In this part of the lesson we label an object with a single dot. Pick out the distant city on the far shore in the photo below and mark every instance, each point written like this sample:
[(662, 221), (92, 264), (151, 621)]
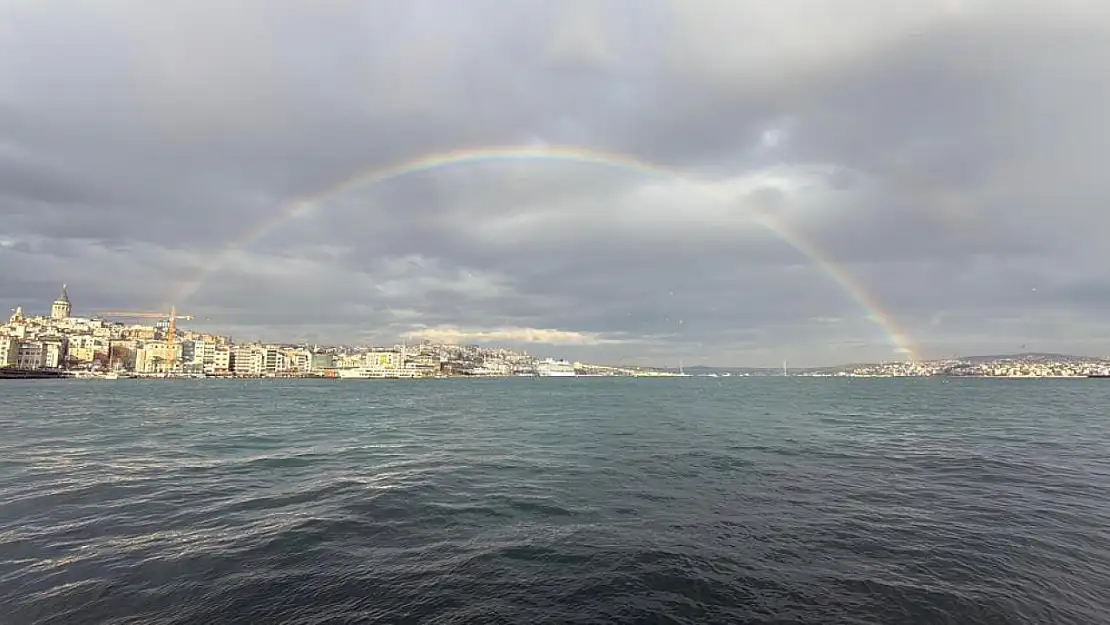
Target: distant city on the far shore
[(152, 345)]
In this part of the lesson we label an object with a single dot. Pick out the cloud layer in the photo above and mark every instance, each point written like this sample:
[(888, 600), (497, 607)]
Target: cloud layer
[(945, 156)]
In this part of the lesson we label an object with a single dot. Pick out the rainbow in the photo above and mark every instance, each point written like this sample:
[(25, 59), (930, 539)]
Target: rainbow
[(439, 160)]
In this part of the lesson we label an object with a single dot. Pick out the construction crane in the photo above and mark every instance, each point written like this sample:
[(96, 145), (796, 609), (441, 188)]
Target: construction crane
[(171, 331)]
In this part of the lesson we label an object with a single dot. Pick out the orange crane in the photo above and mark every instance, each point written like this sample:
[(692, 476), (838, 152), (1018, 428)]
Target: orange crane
[(171, 332)]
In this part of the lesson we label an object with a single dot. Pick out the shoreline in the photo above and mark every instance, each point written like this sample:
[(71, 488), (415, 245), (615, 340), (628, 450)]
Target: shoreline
[(9, 374)]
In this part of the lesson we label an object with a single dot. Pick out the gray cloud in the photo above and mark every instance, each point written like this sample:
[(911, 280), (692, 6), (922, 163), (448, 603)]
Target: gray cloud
[(947, 156)]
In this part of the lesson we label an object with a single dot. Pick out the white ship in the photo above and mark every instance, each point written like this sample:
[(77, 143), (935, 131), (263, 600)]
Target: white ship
[(375, 372), (550, 368)]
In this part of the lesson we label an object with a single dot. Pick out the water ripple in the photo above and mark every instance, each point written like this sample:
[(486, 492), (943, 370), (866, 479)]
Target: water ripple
[(526, 501)]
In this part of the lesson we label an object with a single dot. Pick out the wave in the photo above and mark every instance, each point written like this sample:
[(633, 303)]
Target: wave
[(470, 511)]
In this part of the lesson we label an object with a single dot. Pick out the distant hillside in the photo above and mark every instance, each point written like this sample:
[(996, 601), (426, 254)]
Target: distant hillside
[(1025, 357), (1021, 357), (703, 369)]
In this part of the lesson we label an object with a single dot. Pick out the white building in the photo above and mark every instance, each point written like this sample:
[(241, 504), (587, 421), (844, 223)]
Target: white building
[(53, 353), (157, 357), (84, 348), (272, 360), (39, 354), (221, 360), (199, 355), (9, 351), (376, 364), (248, 359), (30, 355), (493, 367), (296, 361)]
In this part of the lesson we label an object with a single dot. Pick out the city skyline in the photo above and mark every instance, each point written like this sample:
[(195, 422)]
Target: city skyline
[(33, 341), (628, 183)]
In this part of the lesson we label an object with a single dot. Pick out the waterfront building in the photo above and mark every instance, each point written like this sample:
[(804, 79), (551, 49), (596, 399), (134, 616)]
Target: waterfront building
[(30, 355), (221, 361), (375, 364), (248, 360), (321, 362), (44, 354), (156, 357), (9, 351), (295, 361)]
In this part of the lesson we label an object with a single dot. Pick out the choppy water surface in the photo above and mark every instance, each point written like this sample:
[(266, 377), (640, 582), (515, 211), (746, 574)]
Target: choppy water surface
[(555, 500)]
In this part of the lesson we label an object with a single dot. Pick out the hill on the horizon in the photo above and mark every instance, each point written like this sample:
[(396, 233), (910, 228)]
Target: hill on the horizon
[(1027, 356), (1022, 356)]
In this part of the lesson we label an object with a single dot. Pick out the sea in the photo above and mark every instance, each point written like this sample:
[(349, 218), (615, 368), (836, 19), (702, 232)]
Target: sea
[(555, 500)]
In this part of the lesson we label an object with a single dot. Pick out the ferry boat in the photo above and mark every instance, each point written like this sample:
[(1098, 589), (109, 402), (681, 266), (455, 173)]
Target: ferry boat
[(551, 368)]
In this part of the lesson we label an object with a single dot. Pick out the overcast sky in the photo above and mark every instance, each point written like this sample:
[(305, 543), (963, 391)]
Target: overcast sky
[(950, 156)]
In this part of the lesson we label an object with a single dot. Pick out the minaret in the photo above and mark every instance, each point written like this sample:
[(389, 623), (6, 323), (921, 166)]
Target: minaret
[(61, 307)]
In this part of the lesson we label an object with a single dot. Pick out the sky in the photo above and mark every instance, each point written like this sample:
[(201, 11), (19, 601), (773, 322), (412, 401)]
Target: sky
[(794, 180)]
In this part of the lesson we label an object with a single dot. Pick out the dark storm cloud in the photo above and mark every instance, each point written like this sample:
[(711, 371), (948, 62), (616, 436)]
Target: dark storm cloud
[(946, 155)]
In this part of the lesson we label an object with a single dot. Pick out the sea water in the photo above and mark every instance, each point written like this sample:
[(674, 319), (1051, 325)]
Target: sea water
[(555, 500)]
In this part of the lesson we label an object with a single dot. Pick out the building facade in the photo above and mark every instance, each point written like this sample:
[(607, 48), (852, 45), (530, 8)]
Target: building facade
[(9, 351), (157, 357)]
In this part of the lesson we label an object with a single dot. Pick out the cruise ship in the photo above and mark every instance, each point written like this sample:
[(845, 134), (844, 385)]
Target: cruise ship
[(550, 368)]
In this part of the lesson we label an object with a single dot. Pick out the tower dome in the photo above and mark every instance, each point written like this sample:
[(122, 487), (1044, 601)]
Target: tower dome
[(61, 307)]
